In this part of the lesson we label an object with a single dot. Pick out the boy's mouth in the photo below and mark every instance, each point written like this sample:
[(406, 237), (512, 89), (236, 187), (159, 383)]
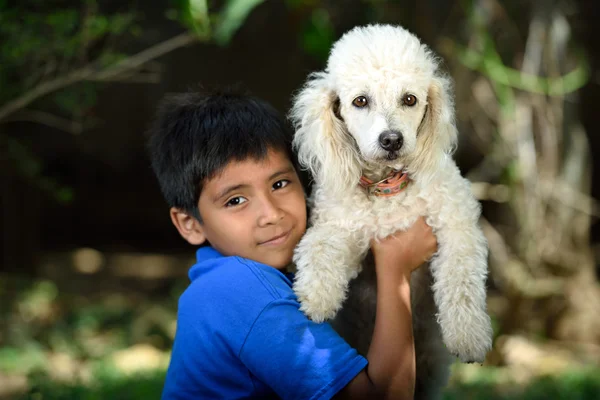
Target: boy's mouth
[(276, 240)]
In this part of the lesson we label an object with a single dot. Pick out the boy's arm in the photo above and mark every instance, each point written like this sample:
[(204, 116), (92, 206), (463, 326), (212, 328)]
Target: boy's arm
[(391, 369)]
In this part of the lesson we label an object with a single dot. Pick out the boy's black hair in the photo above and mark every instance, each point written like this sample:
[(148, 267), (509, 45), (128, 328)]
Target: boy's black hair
[(196, 134)]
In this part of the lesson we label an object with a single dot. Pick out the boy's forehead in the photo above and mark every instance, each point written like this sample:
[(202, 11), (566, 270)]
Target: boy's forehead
[(252, 168)]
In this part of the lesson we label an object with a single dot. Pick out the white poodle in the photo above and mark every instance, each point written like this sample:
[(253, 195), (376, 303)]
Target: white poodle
[(376, 130)]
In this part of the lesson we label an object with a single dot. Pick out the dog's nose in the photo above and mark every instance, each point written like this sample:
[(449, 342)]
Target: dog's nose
[(391, 140)]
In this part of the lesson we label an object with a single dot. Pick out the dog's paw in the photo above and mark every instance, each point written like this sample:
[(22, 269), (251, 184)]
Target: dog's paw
[(318, 314), (318, 301), (320, 285), (469, 340)]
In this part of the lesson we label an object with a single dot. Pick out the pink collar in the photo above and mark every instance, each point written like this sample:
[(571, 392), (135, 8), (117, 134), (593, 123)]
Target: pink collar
[(393, 184)]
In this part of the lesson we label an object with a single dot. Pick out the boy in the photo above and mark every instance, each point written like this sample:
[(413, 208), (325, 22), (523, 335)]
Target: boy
[(225, 166)]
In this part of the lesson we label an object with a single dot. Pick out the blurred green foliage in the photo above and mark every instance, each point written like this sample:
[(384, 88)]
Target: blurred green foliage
[(488, 61), (218, 26), (22, 360), (232, 17), (41, 320), (48, 43), (38, 320), (42, 39), (19, 153), (47, 40), (318, 34), (193, 14), (575, 385), (109, 384)]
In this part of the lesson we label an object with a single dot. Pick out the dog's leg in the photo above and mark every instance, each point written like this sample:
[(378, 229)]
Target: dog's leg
[(459, 270), (326, 258)]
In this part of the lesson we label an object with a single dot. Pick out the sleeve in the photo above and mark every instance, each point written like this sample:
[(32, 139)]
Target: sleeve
[(180, 382), (297, 358)]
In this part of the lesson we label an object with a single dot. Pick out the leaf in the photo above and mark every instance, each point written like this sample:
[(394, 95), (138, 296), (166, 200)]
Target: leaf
[(120, 23), (318, 35), (98, 26), (232, 18), (198, 12), (62, 22), (22, 360)]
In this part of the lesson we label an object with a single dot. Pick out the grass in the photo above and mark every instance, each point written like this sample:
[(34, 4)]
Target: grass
[(574, 385), (42, 322), (147, 385), (110, 384)]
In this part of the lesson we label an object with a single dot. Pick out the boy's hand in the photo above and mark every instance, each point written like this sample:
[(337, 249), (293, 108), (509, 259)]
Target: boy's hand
[(405, 251)]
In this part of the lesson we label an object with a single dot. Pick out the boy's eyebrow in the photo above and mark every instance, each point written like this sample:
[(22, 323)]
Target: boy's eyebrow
[(282, 172), (229, 189)]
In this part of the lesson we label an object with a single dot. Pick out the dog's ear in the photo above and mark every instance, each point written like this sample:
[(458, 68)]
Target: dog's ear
[(437, 135), (336, 109), (324, 146)]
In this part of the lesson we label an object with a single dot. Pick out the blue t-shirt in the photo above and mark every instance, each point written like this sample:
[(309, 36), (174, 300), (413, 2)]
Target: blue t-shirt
[(240, 334)]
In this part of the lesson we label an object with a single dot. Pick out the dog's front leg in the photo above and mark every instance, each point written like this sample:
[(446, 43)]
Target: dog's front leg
[(326, 258), (459, 269)]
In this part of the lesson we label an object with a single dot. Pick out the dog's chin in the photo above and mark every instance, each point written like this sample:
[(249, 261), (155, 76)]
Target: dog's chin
[(391, 156), (390, 159)]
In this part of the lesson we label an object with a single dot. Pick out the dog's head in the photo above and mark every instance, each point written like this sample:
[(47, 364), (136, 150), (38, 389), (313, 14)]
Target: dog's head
[(381, 101)]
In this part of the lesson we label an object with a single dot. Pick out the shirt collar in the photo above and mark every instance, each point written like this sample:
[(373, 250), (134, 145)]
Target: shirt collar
[(205, 253), (208, 253)]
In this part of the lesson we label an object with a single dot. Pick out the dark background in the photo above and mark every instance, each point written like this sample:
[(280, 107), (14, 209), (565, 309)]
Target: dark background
[(83, 221)]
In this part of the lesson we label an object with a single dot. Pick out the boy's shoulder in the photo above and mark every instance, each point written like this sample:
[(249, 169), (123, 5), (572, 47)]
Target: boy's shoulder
[(226, 297), (221, 282)]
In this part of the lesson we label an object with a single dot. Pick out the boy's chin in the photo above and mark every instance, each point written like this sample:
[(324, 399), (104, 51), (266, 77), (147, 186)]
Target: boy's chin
[(280, 262), (281, 265)]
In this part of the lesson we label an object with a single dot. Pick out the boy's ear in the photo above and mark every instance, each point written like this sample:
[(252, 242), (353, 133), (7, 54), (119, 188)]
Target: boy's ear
[(188, 226)]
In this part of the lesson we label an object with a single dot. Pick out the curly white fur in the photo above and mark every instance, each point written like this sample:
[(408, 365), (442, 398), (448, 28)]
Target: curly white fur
[(338, 142)]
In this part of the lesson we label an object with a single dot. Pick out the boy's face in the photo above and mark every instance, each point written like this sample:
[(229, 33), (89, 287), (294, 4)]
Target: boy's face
[(254, 209)]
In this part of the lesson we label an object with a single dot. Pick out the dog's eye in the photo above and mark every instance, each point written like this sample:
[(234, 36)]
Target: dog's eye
[(360, 101), (409, 100)]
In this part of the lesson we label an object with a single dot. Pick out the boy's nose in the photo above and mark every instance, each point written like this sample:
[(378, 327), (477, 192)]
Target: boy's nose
[(270, 213)]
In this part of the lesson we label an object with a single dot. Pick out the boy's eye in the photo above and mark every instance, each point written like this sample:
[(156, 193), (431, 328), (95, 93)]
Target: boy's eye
[(235, 201), (281, 184)]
